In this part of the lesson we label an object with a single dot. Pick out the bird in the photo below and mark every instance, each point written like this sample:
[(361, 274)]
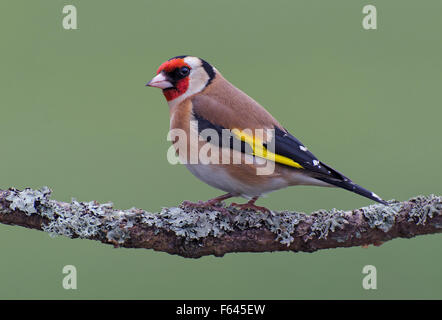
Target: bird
[(201, 100)]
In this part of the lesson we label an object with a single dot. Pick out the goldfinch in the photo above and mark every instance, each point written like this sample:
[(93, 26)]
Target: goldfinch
[(201, 100)]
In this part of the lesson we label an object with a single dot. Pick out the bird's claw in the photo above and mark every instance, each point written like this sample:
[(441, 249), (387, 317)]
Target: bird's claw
[(250, 206)]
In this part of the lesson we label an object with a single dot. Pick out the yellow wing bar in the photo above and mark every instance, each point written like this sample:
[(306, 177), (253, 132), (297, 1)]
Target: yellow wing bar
[(260, 151)]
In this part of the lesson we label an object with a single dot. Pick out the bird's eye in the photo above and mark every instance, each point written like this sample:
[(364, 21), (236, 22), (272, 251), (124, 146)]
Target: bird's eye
[(183, 71)]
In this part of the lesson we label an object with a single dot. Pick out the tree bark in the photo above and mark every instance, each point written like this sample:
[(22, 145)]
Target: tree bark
[(196, 232)]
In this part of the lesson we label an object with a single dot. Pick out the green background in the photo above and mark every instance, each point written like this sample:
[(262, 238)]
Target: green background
[(76, 116)]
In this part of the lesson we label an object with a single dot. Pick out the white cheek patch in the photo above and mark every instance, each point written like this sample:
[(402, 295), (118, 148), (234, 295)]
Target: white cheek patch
[(198, 80)]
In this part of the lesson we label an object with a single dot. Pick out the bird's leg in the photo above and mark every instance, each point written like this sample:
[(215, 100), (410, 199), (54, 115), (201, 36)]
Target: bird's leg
[(251, 205)]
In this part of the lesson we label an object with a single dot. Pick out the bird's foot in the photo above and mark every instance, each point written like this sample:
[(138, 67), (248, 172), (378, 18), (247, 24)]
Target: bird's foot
[(215, 204), (209, 203), (251, 206)]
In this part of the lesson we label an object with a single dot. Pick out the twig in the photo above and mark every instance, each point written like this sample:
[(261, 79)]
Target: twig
[(193, 233)]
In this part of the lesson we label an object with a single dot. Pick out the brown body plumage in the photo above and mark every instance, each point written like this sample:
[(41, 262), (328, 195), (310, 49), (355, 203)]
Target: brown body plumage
[(198, 95)]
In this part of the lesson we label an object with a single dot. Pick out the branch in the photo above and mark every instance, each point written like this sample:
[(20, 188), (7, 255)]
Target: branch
[(193, 233)]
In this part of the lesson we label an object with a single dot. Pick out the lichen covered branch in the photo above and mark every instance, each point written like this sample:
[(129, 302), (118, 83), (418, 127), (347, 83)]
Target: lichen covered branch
[(193, 233)]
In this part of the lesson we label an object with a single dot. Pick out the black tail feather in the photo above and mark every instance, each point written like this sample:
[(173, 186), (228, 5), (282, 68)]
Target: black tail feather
[(347, 184)]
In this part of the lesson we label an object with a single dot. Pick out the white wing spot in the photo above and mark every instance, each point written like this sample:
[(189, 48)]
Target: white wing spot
[(303, 148), (315, 162)]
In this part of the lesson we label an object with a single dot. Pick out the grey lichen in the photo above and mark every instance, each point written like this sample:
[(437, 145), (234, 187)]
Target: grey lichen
[(27, 200), (80, 219), (93, 220), (74, 220), (380, 216), (426, 209), (284, 224), (194, 224), (116, 226), (191, 224), (327, 221)]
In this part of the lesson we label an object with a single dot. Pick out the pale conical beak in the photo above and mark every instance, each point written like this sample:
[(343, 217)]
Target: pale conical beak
[(159, 81)]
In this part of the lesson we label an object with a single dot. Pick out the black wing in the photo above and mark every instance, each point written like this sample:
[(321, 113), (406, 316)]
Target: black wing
[(288, 146)]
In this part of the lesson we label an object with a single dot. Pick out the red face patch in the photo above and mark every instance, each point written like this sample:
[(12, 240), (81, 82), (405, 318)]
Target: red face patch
[(171, 65), (181, 85), (180, 88)]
